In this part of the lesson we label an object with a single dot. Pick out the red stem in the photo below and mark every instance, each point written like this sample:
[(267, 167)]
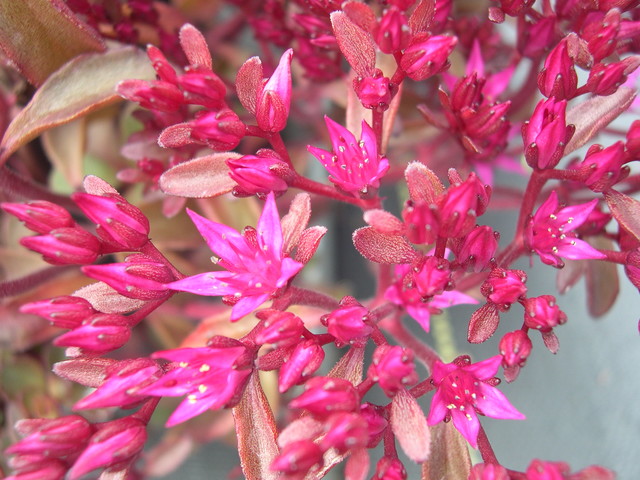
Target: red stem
[(20, 285), (302, 296), (423, 352), (486, 450)]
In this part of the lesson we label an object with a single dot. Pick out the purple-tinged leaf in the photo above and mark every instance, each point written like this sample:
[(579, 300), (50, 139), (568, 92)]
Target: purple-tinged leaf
[(384, 222), (382, 248), (626, 211), (195, 47), (84, 84), (424, 185), (256, 431), (603, 284), (361, 14), (357, 465), (449, 454), (294, 222), (201, 177), (409, 425), (483, 323), (39, 36), (422, 16), (594, 114), (568, 276), (105, 299), (249, 83), (551, 341), (89, 372), (356, 45), (350, 366), (308, 243)]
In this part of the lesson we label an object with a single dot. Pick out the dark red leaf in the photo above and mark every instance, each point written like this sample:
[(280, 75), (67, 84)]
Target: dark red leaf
[(201, 177), (383, 248), (484, 323), (626, 211), (356, 44)]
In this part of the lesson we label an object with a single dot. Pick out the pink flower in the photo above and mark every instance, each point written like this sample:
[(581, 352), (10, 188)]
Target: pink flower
[(212, 377), (411, 299), (349, 324), (353, 166), (392, 367), (464, 390), (258, 174), (558, 78), (427, 55), (550, 232), (39, 215), (255, 267)]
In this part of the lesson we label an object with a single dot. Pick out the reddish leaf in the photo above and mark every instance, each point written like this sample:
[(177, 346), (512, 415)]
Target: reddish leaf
[(175, 136), (484, 323), (422, 16), (39, 36), (382, 248), (603, 284), (384, 222), (423, 184), (106, 300), (256, 431), (350, 366), (308, 244), (97, 186), (195, 47), (89, 372), (360, 14), (83, 85), (357, 465), (449, 454), (551, 341), (409, 425), (568, 276), (356, 45), (201, 177), (594, 114), (302, 428), (249, 83), (626, 211), (294, 222)]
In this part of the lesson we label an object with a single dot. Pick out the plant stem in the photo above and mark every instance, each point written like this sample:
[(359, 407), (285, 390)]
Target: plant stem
[(10, 288)]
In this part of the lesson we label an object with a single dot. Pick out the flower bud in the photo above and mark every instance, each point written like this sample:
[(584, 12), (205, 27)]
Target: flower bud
[(543, 313), (52, 437), (478, 248), (138, 277), (65, 246), (539, 470), (203, 88), (601, 35), (156, 95), (389, 468), (393, 369), (349, 324), (514, 7), (515, 348), (258, 174), (296, 458), (460, 205), (604, 167), (324, 396), (488, 471), (274, 101), (427, 55), (345, 431), (535, 38), (432, 276), (374, 92), (122, 381), (558, 77), (467, 93), (64, 312), (119, 222), (221, 130), (115, 442), (36, 467), (305, 359), (39, 215), (280, 328), (504, 287), (546, 134), (376, 423), (486, 120), (392, 32), (421, 222), (100, 333)]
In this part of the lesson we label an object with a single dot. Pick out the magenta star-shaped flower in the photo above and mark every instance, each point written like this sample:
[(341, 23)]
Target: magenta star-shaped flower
[(463, 391), (550, 234), (354, 166), (255, 266)]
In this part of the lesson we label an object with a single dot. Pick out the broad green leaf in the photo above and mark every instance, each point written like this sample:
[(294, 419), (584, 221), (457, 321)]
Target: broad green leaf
[(84, 84), (39, 36)]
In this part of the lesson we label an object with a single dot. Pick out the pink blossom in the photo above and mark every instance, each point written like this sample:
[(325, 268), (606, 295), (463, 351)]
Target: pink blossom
[(54, 437), (411, 299), (274, 101), (65, 246), (543, 313), (550, 234), (258, 174), (389, 468), (212, 377), (392, 367), (427, 55), (280, 328), (504, 287), (345, 431), (464, 390), (488, 471), (296, 458), (99, 333), (255, 267), (558, 78), (353, 166), (324, 396), (39, 215), (65, 312), (349, 324), (305, 359), (373, 91)]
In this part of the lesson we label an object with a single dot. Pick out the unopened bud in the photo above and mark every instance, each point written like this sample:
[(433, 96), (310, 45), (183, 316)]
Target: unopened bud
[(64, 312), (65, 246), (99, 333), (39, 215)]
